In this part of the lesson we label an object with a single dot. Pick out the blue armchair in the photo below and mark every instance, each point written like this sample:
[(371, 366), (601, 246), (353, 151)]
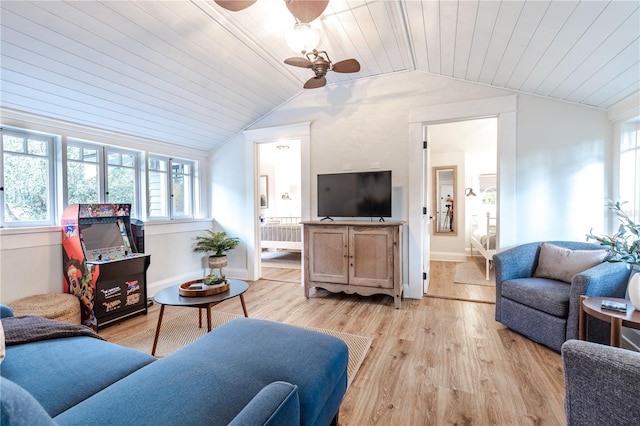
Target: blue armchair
[(602, 384), (547, 310)]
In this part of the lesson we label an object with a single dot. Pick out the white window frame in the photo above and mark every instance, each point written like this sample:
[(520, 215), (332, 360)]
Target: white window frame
[(630, 133), (103, 166), (171, 214), (52, 211)]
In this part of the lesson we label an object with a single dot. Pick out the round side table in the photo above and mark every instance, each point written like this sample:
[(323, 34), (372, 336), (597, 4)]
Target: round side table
[(617, 319)]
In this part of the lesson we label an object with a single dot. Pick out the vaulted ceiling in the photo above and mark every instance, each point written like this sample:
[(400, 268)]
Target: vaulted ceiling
[(195, 74)]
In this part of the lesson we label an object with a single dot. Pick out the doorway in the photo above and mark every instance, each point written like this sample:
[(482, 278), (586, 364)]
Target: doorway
[(467, 148), (280, 209)]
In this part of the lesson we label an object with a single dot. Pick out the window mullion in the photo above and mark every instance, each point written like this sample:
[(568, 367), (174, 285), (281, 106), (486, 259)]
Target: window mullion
[(103, 183), (170, 187)]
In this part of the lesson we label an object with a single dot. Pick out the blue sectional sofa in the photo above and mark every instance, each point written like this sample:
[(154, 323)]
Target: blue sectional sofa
[(247, 371)]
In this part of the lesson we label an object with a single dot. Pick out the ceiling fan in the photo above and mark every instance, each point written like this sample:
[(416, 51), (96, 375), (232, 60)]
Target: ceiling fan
[(321, 64), (304, 11)]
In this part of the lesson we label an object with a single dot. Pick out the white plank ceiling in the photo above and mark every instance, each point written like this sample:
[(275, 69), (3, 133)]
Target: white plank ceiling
[(194, 74)]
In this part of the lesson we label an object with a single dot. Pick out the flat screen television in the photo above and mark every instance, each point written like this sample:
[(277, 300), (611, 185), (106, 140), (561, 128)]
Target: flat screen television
[(362, 194)]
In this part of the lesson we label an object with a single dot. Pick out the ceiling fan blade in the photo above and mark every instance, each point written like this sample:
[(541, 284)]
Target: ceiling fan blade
[(297, 61), (306, 11), (315, 82), (235, 5), (348, 65)]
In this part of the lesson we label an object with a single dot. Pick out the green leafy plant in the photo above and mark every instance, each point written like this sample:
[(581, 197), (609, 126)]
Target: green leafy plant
[(624, 244), (215, 243), (213, 279)]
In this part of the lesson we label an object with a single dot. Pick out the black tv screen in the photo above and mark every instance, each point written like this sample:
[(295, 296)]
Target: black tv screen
[(364, 194)]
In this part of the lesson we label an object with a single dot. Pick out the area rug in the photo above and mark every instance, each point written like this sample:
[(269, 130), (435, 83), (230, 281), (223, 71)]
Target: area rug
[(182, 330), (473, 273)]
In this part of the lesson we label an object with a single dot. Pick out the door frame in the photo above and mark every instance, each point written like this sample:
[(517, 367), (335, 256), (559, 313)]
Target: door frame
[(505, 108), (301, 131)]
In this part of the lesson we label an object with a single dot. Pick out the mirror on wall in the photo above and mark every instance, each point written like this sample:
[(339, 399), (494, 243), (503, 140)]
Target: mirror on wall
[(444, 193)]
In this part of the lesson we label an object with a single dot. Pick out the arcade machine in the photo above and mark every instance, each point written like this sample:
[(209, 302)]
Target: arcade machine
[(102, 264)]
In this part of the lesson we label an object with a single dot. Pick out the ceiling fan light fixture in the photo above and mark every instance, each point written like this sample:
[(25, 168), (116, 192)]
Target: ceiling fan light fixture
[(302, 38)]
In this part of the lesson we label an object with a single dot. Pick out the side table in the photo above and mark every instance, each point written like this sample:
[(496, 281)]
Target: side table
[(617, 319)]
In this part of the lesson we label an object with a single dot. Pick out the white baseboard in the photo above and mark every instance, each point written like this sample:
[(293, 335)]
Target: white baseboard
[(447, 256)]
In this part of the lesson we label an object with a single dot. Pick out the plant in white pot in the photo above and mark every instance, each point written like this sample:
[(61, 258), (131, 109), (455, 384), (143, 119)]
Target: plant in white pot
[(217, 244), (624, 245)]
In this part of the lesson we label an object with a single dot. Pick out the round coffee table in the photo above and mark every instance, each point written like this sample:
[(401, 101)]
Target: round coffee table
[(171, 296)]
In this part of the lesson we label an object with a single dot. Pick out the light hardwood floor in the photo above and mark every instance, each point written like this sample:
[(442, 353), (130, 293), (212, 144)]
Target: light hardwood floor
[(436, 361)]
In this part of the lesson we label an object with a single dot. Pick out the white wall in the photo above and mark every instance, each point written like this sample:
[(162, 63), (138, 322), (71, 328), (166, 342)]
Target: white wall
[(282, 167), (363, 124), (563, 164), (31, 259)]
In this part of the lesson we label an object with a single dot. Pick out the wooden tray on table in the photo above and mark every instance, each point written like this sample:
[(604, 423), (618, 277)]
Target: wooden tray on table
[(207, 290)]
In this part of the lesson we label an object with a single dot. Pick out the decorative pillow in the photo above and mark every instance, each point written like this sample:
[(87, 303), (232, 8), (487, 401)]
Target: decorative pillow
[(559, 263)]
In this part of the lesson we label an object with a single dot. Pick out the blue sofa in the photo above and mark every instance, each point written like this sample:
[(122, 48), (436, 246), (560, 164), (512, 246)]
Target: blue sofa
[(247, 371)]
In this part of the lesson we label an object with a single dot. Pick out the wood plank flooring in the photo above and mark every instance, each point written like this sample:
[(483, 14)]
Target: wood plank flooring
[(436, 361)]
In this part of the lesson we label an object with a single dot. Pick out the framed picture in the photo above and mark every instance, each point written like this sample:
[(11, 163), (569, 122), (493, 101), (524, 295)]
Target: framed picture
[(264, 193)]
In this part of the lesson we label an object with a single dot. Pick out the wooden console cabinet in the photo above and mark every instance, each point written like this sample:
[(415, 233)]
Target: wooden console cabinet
[(354, 257)]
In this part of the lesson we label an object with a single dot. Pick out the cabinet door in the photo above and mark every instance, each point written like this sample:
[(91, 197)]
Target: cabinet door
[(328, 254), (371, 256)]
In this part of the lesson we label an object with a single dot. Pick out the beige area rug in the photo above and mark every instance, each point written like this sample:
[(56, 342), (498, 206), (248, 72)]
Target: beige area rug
[(473, 272), (281, 259), (182, 330)]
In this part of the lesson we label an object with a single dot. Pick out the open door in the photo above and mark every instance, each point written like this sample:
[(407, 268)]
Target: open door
[(427, 210), (279, 202)]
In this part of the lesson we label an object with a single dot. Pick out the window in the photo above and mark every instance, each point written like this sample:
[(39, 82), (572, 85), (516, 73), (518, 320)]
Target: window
[(82, 174), (158, 192), (629, 188), (91, 179), (121, 177), (27, 179), (171, 188), (33, 169)]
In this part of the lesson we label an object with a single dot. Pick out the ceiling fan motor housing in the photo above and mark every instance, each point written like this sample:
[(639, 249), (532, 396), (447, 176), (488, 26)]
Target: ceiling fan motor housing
[(321, 66)]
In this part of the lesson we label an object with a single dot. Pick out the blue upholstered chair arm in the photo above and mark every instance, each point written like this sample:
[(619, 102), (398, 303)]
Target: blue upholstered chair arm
[(516, 262), (608, 279), (602, 384), (276, 404), (5, 311)]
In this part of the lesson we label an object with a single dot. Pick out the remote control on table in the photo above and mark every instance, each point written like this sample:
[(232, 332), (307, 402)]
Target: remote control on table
[(614, 306)]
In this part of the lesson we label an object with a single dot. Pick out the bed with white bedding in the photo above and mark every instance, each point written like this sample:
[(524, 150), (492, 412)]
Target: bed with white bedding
[(283, 233)]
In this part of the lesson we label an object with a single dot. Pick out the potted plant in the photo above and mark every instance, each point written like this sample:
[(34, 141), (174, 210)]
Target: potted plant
[(624, 245), (216, 244)]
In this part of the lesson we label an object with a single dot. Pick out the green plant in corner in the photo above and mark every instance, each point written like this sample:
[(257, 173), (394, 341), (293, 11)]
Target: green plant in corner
[(624, 244), (215, 243)]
